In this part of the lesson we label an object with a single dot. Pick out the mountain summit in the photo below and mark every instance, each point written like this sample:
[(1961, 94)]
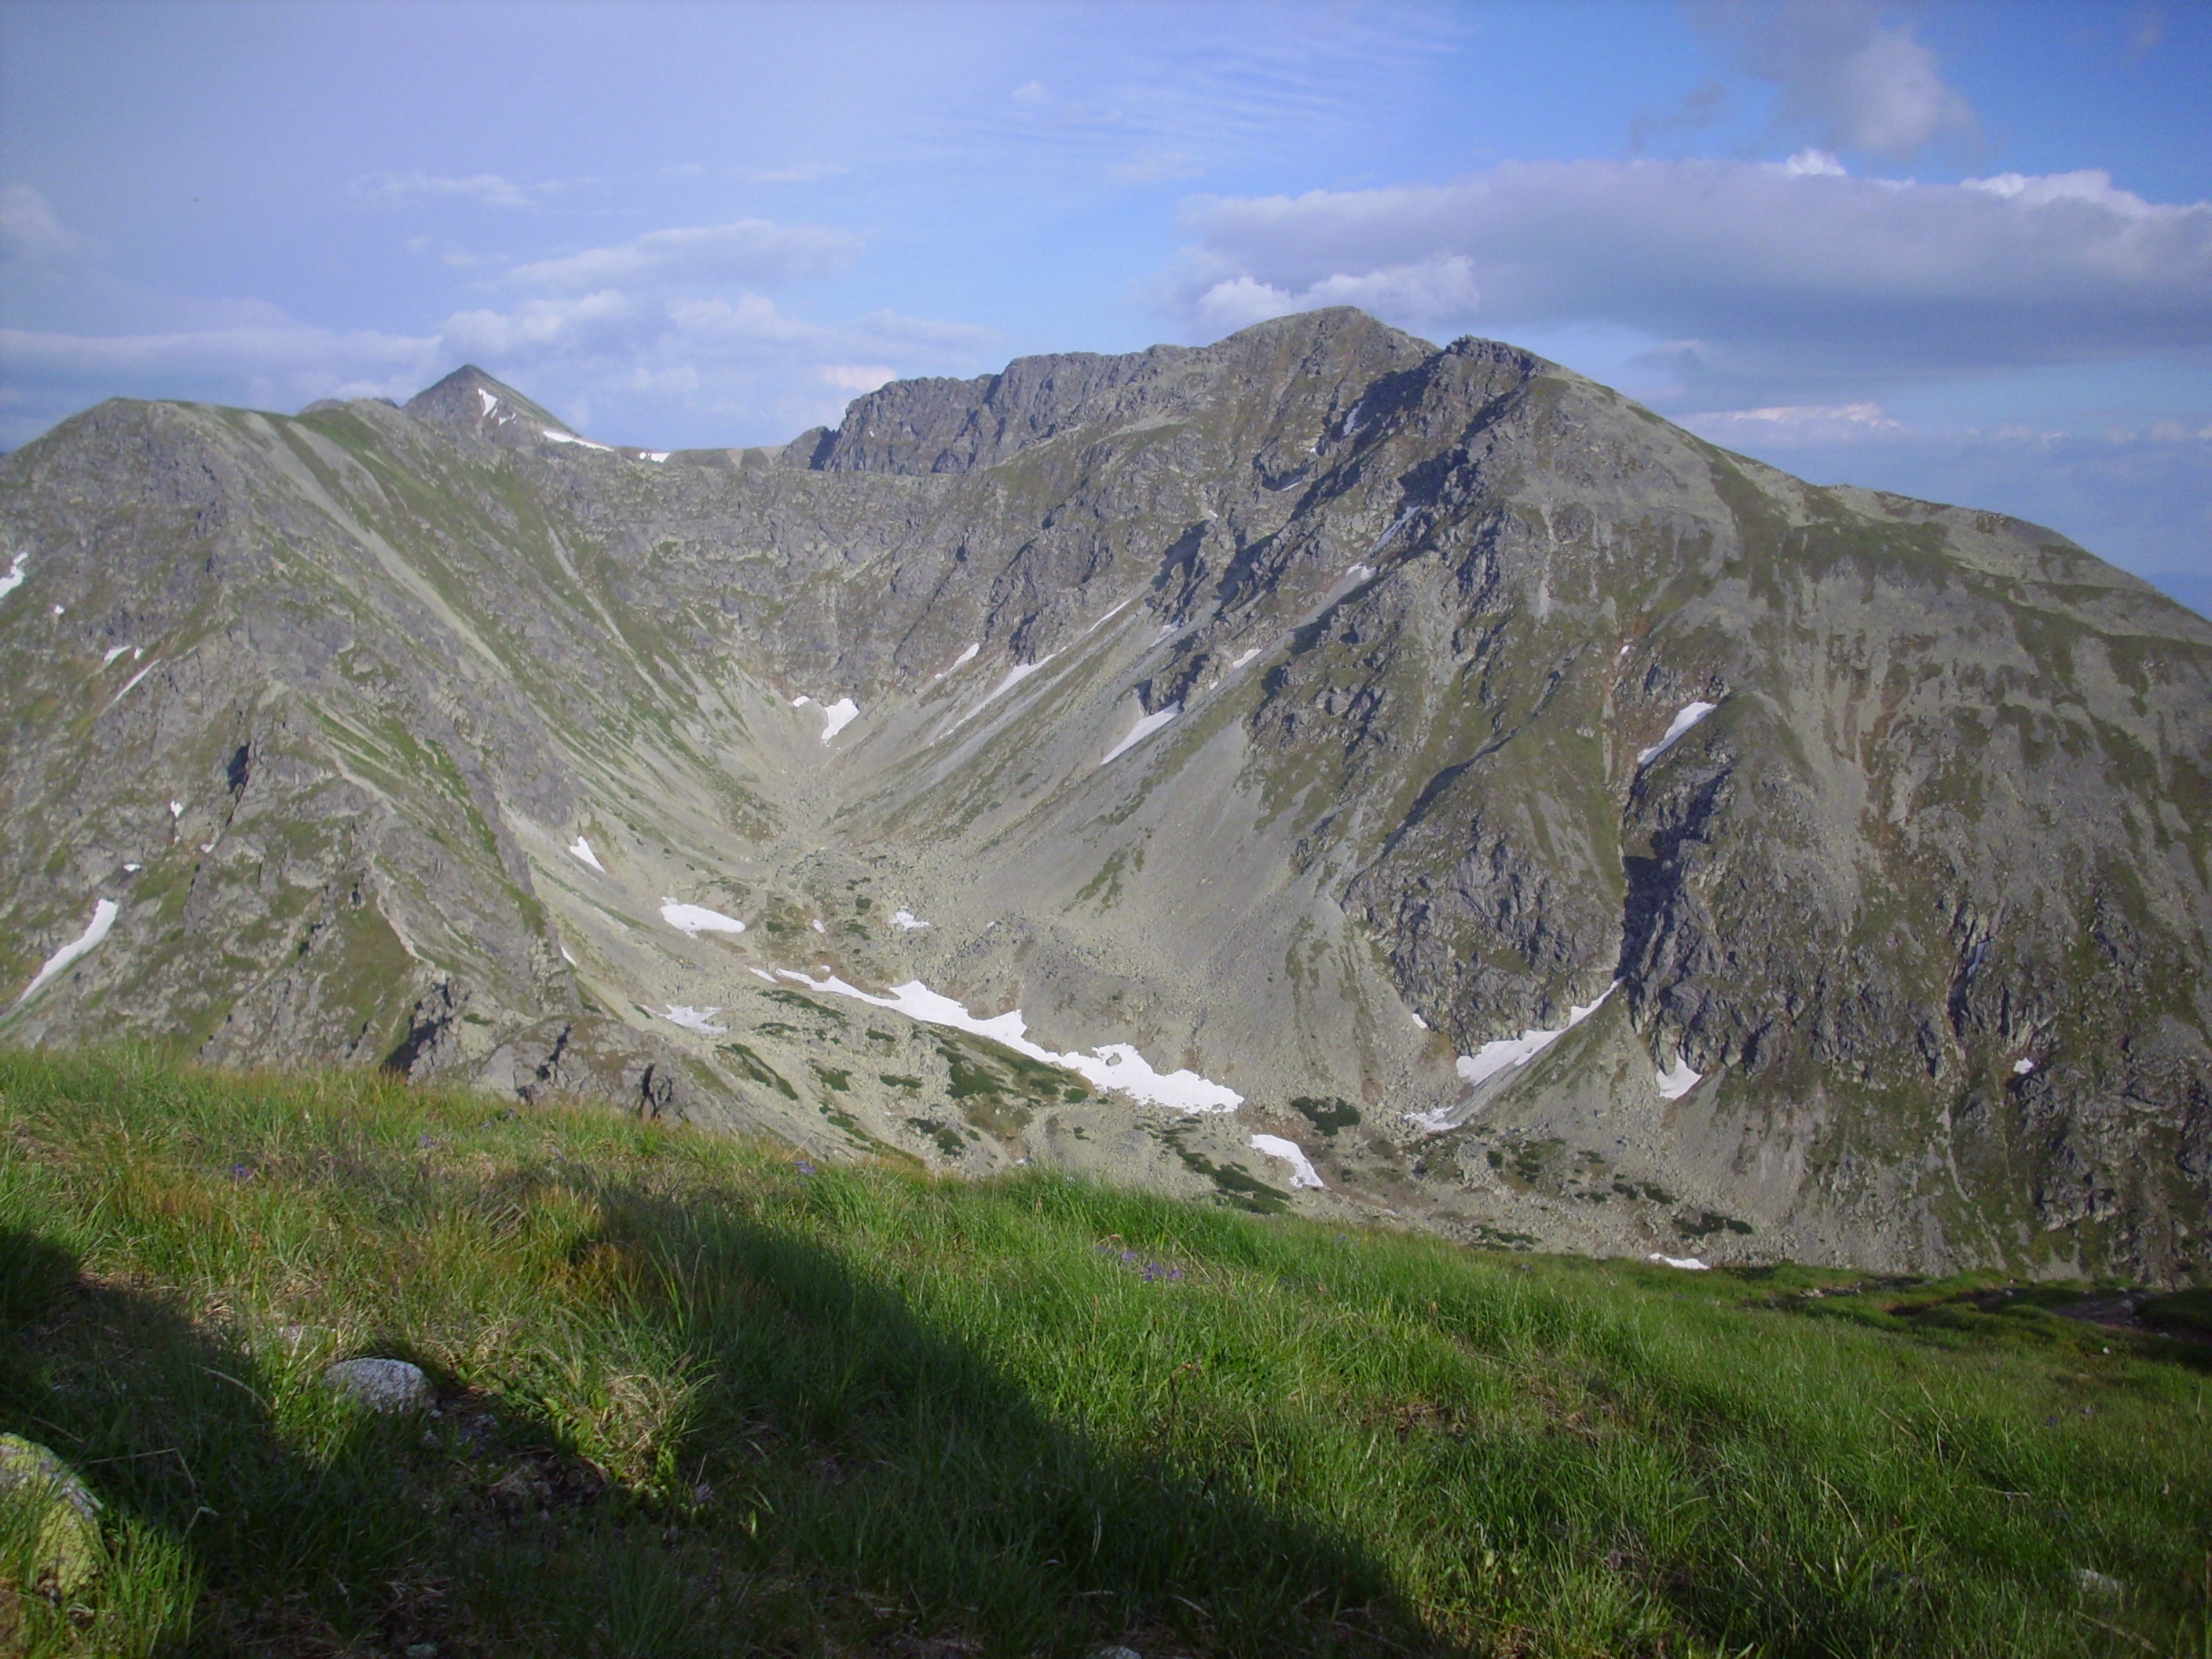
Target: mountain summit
[(469, 400), (1318, 767)]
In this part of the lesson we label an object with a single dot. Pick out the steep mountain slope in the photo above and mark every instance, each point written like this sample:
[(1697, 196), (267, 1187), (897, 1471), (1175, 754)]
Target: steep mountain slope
[(1295, 731)]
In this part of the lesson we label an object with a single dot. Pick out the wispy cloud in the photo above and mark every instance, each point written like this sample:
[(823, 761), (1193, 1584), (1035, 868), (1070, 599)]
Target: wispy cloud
[(747, 251), (1793, 277), (30, 233), (803, 173), (1223, 84), (488, 188)]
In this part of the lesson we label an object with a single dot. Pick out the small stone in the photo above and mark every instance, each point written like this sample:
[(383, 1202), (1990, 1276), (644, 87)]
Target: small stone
[(2101, 1584), (1117, 1653), (383, 1385), (66, 1556)]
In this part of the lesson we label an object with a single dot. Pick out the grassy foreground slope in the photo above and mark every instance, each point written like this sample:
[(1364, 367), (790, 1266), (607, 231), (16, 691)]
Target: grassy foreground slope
[(697, 1397)]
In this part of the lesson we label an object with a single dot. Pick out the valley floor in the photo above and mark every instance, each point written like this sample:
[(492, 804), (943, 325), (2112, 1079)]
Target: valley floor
[(700, 1396)]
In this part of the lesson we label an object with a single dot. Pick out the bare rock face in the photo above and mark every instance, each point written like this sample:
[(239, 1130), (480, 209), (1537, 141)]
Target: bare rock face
[(1560, 829)]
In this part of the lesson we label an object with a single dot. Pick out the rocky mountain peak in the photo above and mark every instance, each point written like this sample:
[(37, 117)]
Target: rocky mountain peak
[(469, 400), (943, 425)]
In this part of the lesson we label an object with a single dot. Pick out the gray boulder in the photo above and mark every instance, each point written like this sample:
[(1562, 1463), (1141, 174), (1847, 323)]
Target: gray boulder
[(383, 1385)]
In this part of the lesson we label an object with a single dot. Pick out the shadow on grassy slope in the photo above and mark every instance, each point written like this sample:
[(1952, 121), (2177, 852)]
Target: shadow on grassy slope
[(229, 1530), (840, 1478), (881, 1450)]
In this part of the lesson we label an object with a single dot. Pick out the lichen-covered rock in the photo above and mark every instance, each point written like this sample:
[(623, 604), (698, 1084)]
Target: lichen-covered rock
[(50, 1508)]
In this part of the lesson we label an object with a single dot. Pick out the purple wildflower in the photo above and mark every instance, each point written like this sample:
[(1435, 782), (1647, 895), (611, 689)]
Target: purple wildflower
[(241, 1172), (804, 1167)]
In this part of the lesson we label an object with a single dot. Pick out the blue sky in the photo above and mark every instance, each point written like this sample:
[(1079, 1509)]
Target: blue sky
[(1963, 250)]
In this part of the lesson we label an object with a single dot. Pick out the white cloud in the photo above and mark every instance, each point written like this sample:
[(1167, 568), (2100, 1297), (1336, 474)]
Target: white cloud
[(292, 351), (647, 354), (29, 232), (605, 318), (1846, 72), (1438, 288), (857, 378), (1790, 278), (805, 172), (1814, 163), (490, 188), (278, 362), (747, 251), (1790, 425)]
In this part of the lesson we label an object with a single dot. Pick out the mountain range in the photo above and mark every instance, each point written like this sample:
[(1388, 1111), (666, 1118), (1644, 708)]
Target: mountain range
[(1320, 768)]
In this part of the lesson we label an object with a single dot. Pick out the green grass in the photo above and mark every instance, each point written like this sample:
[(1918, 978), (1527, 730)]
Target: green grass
[(698, 1400)]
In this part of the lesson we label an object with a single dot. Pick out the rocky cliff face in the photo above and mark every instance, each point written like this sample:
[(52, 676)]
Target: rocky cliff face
[(1297, 731)]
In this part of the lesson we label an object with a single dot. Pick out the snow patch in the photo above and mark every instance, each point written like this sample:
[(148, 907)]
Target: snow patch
[(134, 680), (13, 578), (693, 919), (656, 454), (1509, 1053), (1143, 729), (1687, 1263), (491, 402), (1506, 1054), (580, 850), (837, 716), (960, 661), (700, 1020), (907, 919), (1012, 677), (1384, 539), (1116, 1066), (551, 437), (103, 918), (1678, 1079), (1109, 615), (1302, 1170), (1418, 1021), (176, 809), (817, 926), (761, 973), (801, 700), (1687, 716), (132, 869), (569, 957), (1242, 657), (1359, 572), (112, 654), (2022, 1067)]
